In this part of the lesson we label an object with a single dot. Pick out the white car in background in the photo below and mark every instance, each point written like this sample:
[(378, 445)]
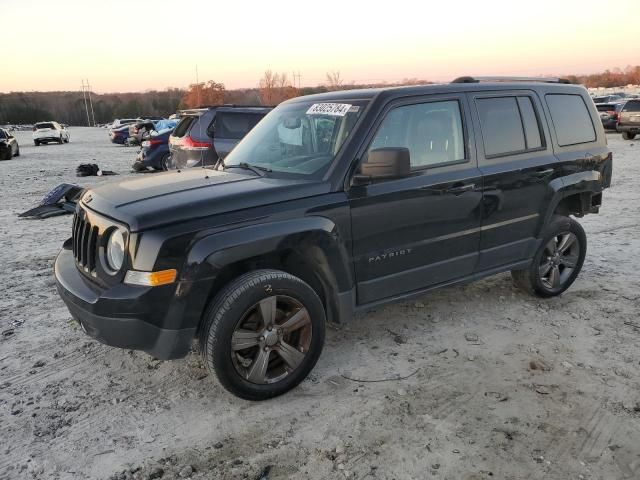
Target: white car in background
[(45, 132)]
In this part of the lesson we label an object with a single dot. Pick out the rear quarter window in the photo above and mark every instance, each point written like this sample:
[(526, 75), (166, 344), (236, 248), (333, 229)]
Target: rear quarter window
[(571, 119), (235, 125), (632, 106), (183, 126)]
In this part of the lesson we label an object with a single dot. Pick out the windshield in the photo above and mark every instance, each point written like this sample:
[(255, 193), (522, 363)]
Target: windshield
[(300, 139)]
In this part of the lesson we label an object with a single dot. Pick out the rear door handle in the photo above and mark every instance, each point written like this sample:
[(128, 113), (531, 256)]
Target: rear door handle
[(545, 172), (459, 189)]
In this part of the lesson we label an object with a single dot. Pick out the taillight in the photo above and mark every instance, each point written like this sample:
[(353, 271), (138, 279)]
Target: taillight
[(189, 143), (155, 142), (34, 129)]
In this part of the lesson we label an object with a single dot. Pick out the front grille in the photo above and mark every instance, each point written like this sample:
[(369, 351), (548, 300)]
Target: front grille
[(85, 243)]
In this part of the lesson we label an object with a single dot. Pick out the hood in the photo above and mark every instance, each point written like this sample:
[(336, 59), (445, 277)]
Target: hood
[(172, 197)]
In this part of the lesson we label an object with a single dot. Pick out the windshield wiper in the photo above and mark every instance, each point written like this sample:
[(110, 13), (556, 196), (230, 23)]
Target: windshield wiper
[(261, 171)]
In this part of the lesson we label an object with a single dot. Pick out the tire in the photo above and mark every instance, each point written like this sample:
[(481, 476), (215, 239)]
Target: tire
[(628, 136), (558, 260), (165, 163), (36, 143), (6, 155), (17, 152), (245, 303), (61, 141)]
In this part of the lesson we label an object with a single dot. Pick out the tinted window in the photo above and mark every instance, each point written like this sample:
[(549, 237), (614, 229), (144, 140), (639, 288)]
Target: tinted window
[(571, 119), (604, 107), (235, 125), (45, 125), (501, 126), (632, 106), (2, 134), (600, 99), (530, 122), (431, 131), (183, 126)]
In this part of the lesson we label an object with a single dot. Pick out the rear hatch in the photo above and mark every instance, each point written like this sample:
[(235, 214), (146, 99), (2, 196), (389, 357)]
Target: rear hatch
[(190, 144), (630, 114), (44, 129)]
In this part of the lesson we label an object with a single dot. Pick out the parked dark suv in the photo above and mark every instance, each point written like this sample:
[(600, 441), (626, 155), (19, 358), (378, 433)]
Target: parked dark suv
[(332, 205), (609, 114), (629, 119), (204, 135)]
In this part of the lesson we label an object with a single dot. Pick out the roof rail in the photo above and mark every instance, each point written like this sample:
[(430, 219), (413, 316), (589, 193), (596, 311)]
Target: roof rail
[(230, 105), (511, 79)]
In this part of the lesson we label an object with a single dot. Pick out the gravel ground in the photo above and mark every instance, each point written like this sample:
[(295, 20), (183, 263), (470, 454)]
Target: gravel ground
[(499, 384)]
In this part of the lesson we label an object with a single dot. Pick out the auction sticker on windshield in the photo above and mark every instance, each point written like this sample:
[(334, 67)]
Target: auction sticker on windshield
[(336, 109)]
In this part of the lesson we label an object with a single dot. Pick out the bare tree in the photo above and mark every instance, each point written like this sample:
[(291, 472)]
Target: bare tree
[(275, 88), (334, 80)]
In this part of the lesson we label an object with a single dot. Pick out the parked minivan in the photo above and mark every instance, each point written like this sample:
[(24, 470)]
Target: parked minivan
[(332, 205), (204, 135)]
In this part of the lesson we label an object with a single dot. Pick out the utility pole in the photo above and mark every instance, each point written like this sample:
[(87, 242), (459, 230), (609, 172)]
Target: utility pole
[(297, 75), (197, 85), (86, 106), (93, 117)]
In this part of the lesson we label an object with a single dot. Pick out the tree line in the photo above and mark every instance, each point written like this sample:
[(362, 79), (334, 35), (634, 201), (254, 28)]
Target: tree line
[(273, 88)]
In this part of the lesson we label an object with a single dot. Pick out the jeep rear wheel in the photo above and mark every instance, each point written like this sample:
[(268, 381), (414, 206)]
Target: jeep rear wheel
[(263, 334), (628, 136), (558, 260)]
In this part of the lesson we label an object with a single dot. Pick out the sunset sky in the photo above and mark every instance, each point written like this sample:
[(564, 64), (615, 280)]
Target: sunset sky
[(140, 45)]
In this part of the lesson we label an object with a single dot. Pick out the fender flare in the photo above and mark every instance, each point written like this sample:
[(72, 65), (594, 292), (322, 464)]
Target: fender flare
[(586, 182), (316, 238)]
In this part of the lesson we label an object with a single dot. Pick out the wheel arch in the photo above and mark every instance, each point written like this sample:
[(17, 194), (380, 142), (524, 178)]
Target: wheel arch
[(311, 249)]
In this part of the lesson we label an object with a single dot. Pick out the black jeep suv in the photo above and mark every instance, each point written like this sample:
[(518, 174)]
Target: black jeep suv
[(333, 204)]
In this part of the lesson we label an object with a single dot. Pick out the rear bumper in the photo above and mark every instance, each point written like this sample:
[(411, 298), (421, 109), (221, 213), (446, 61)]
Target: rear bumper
[(192, 158), (119, 316), (47, 139), (628, 128), (151, 158)]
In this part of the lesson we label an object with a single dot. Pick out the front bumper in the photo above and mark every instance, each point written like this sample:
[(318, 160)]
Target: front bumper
[(119, 316)]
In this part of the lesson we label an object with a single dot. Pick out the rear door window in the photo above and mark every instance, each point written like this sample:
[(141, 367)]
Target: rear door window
[(502, 129), (571, 119), (234, 125), (530, 122)]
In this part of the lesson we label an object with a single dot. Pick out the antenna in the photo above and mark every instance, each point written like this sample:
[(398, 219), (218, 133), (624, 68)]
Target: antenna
[(197, 84)]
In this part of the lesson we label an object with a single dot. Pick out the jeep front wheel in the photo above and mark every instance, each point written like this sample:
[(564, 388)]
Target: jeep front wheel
[(263, 334), (628, 136), (558, 260)]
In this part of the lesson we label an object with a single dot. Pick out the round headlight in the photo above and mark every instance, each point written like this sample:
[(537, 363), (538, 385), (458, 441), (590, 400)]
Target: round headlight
[(115, 250)]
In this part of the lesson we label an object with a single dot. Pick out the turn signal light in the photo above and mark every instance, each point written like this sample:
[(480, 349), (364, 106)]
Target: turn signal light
[(151, 279)]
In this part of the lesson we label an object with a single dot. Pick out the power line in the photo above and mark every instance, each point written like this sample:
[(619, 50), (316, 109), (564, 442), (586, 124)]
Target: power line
[(86, 106), (88, 87)]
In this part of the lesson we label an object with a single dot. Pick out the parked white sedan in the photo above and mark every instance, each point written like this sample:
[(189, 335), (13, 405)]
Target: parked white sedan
[(45, 132)]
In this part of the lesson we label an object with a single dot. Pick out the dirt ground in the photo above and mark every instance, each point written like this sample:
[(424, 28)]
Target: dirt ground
[(499, 384)]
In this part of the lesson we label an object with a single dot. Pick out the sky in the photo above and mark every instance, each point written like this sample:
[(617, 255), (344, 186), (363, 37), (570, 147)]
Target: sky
[(139, 45)]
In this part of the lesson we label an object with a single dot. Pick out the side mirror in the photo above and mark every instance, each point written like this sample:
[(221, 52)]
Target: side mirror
[(385, 163)]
